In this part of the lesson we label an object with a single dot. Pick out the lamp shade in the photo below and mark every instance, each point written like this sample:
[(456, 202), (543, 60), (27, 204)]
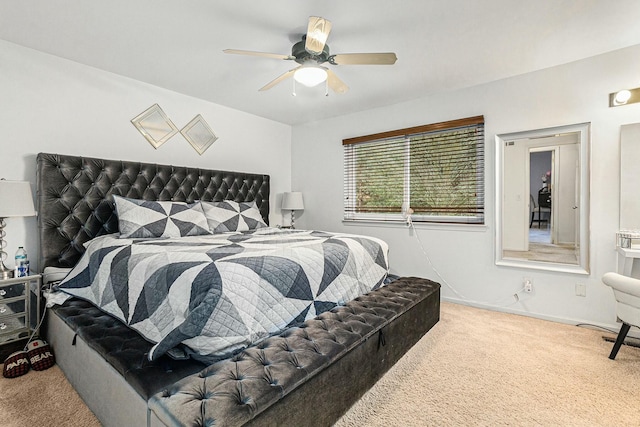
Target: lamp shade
[(292, 201), (15, 199), (310, 76)]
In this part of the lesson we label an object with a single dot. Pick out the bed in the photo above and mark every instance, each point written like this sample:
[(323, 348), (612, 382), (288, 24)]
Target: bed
[(295, 368)]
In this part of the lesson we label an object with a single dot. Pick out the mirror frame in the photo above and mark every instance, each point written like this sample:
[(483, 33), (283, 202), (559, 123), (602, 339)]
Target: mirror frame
[(629, 174), (583, 129), (155, 126)]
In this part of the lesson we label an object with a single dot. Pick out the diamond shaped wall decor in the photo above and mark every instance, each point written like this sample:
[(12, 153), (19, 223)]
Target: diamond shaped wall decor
[(155, 126), (199, 134)]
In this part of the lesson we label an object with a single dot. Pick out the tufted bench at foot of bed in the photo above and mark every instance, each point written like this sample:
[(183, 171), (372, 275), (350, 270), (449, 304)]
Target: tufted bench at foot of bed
[(308, 375)]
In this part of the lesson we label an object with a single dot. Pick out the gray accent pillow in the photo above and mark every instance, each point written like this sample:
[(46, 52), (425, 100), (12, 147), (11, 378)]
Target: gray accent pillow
[(144, 218), (228, 216)]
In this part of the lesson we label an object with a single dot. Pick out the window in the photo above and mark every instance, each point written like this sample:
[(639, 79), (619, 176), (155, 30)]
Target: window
[(436, 170)]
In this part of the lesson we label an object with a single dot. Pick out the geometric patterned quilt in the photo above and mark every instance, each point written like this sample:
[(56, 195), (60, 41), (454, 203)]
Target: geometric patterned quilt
[(220, 293)]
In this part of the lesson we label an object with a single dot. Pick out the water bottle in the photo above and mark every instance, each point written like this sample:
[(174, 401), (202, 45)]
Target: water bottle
[(22, 263)]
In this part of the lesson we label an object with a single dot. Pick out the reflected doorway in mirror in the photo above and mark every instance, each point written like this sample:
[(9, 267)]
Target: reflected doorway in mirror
[(562, 186)]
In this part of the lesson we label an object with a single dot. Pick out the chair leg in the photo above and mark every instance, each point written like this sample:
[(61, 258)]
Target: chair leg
[(531, 222), (621, 336)]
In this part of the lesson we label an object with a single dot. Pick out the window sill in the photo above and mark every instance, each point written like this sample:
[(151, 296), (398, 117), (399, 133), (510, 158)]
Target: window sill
[(416, 224)]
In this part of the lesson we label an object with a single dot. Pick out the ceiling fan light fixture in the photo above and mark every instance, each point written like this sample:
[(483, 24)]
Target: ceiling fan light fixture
[(310, 76)]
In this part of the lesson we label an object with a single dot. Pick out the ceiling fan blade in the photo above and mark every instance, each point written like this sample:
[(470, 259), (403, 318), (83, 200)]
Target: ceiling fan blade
[(317, 34), (262, 54), (337, 85), (388, 58), (278, 79)]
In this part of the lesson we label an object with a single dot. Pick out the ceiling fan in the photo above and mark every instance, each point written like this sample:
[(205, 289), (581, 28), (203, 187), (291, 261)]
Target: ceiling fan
[(312, 52)]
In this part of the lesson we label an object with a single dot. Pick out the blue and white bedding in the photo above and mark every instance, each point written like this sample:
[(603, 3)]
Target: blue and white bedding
[(220, 293)]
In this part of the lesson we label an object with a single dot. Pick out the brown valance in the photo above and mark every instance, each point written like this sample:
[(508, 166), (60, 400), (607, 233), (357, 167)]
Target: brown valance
[(451, 124)]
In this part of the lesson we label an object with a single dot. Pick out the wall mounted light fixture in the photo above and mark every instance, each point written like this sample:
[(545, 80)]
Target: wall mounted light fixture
[(624, 97)]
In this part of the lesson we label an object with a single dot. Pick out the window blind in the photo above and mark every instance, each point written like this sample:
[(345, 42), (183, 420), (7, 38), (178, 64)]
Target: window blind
[(436, 170)]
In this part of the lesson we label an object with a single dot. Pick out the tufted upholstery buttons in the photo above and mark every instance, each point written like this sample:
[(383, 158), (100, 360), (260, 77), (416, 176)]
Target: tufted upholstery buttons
[(124, 349), (70, 186), (262, 374)]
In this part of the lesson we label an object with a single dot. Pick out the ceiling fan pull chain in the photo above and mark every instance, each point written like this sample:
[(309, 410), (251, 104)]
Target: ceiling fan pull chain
[(294, 88), (326, 87)]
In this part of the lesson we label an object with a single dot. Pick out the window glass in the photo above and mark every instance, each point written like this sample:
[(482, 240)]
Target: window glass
[(436, 170)]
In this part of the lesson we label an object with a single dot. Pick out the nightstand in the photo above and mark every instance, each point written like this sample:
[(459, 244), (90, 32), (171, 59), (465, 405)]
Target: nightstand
[(19, 307)]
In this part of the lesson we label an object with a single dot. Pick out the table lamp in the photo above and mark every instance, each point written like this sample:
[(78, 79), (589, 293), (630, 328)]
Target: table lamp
[(293, 202), (15, 201)]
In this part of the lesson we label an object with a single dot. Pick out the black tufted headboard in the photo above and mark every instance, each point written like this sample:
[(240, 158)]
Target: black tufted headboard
[(75, 203)]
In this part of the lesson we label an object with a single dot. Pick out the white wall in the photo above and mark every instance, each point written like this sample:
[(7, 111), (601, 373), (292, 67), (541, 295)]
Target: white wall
[(568, 94), (57, 106), (515, 222)]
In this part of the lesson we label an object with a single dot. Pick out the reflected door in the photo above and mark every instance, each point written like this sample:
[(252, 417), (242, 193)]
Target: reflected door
[(568, 187)]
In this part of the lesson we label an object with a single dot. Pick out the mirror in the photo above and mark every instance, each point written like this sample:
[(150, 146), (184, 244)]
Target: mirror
[(542, 199), (198, 133), (629, 177), (154, 125)]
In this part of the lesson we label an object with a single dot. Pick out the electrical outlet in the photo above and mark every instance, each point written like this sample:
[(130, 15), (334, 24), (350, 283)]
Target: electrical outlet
[(581, 290), (528, 284)]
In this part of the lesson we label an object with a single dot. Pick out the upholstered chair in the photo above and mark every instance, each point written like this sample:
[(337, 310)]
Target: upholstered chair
[(627, 293)]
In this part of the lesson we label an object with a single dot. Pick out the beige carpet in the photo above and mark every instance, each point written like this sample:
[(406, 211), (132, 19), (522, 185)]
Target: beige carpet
[(482, 368), (474, 368), (42, 398)]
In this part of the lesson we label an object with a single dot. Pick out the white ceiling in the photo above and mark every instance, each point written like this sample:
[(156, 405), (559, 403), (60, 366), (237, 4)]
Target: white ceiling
[(441, 45)]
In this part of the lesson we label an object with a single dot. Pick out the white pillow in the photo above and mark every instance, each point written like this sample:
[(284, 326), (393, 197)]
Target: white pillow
[(228, 216), (144, 218)]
